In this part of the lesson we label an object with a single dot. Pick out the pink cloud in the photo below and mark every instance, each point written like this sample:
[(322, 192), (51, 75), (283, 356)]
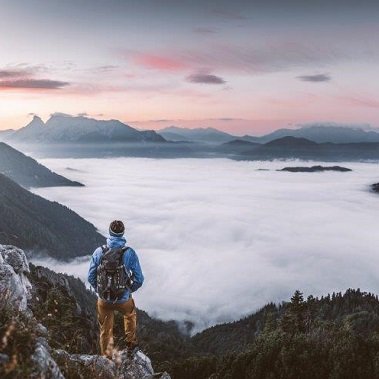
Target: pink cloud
[(160, 62), (362, 102), (263, 57)]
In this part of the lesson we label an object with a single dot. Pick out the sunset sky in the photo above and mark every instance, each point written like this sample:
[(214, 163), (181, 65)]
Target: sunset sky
[(241, 66)]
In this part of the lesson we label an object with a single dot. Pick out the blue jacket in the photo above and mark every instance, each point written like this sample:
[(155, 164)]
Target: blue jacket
[(130, 261)]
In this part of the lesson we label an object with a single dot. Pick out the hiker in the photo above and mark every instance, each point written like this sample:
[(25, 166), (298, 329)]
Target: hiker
[(114, 274)]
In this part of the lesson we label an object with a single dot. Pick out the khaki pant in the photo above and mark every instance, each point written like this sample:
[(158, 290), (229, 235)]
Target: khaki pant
[(105, 316)]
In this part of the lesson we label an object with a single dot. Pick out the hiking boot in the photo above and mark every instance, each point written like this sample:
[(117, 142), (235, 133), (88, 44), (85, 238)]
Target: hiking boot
[(132, 350)]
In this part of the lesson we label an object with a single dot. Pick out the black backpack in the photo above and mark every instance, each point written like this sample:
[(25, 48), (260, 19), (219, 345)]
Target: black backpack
[(113, 278)]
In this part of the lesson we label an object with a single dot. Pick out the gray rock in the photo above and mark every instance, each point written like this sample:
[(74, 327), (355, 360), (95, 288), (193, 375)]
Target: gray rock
[(102, 368), (44, 365), (86, 366), (15, 257), (41, 330), (136, 368), (14, 285)]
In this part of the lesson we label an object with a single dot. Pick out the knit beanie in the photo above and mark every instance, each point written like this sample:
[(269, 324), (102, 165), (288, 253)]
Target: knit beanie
[(116, 228)]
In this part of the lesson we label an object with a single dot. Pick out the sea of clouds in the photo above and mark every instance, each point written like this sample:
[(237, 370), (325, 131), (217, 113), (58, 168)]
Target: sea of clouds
[(218, 239)]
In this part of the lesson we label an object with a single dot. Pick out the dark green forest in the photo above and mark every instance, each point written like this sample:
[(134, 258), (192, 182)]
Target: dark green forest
[(335, 336)]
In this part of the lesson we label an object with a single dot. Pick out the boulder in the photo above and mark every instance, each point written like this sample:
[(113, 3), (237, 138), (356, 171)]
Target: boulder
[(121, 367), (14, 284)]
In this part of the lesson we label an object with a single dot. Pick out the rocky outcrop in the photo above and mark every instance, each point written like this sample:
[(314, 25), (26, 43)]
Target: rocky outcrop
[(316, 169), (120, 367), (14, 284), (39, 360)]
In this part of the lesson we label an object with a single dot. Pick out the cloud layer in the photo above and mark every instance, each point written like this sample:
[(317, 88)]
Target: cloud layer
[(218, 239)]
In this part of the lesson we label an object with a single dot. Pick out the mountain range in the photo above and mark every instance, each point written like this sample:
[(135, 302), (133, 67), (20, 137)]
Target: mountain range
[(62, 128), (320, 133), (302, 148), (38, 225), (68, 136)]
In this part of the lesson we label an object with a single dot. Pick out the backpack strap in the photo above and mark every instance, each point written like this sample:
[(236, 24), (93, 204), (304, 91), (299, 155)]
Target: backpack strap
[(123, 251), (104, 249)]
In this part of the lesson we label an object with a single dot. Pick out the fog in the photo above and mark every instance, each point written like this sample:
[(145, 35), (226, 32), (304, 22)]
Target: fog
[(218, 239)]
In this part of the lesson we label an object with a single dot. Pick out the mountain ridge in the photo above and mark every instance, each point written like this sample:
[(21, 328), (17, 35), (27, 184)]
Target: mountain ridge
[(36, 224), (27, 172)]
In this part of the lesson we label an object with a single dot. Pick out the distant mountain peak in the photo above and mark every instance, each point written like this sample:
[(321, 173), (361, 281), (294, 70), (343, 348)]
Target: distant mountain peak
[(65, 128), (35, 123)]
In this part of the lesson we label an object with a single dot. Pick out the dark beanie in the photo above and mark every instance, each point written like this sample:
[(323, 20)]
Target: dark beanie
[(116, 228)]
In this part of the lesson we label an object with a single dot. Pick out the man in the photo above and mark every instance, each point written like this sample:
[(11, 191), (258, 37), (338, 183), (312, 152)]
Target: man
[(122, 301)]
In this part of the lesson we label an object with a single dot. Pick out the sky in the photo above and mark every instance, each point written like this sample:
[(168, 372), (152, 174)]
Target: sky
[(241, 66), (218, 239)]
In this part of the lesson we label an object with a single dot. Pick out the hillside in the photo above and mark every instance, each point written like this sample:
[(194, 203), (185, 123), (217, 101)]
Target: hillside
[(28, 172), (335, 336), (302, 148), (329, 337), (36, 224)]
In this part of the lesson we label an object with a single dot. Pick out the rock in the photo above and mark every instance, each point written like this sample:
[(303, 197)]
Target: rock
[(138, 367), (45, 365), (375, 187), (15, 257), (85, 366), (81, 365), (41, 330), (14, 285), (316, 169)]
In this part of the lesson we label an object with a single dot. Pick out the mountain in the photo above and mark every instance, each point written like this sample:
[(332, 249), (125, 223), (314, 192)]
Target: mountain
[(62, 128), (302, 148), (35, 224), (321, 133), (28, 172), (208, 135), (240, 142), (235, 147), (5, 133)]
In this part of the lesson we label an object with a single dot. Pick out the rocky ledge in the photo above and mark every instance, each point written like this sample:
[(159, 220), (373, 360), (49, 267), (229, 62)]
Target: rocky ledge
[(25, 350), (316, 169)]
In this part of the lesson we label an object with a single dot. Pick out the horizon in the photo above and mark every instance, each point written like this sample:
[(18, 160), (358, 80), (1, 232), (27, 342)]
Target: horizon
[(241, 67), (209, 124)]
